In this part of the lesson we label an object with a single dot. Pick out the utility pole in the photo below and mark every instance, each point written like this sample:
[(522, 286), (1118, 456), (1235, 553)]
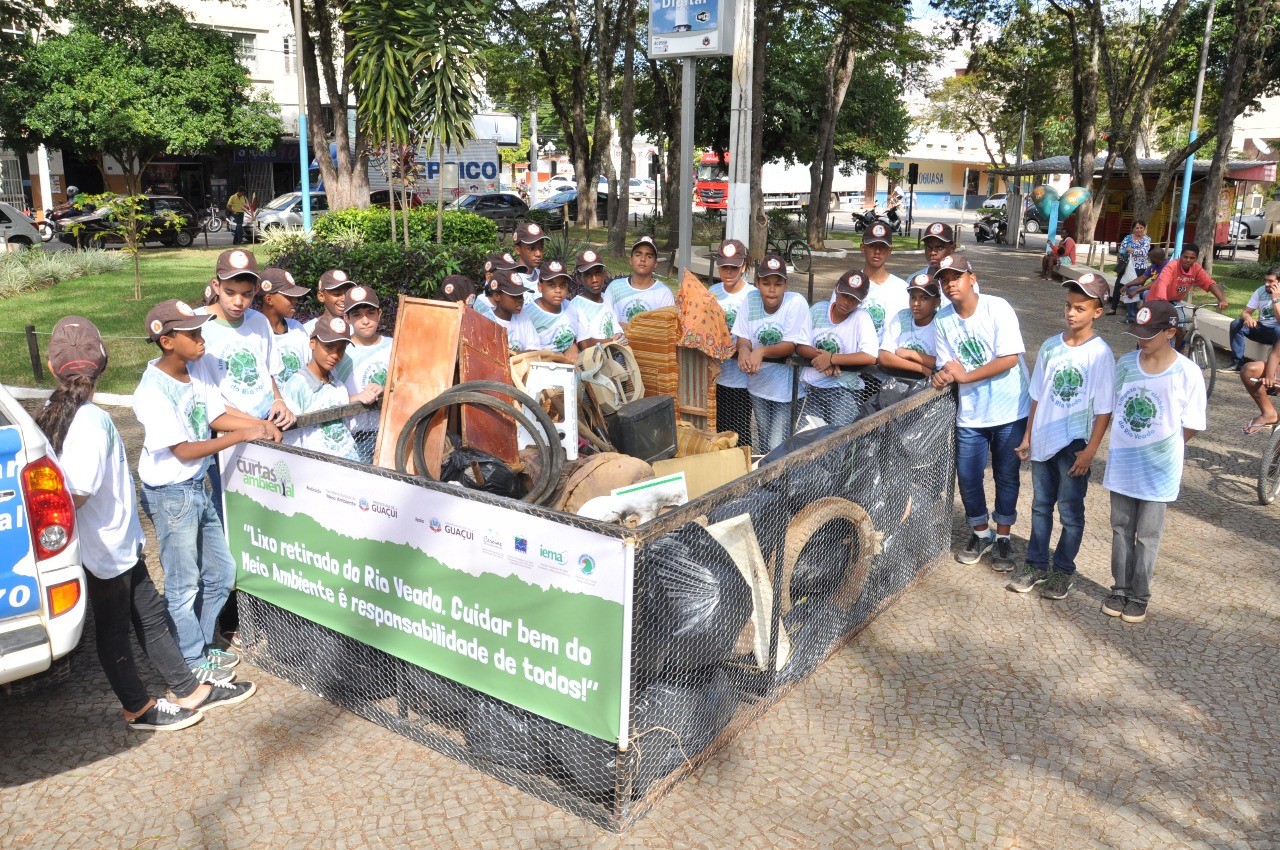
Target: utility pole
[(738, 215), (304, 161), (1195, 121), (1013, 195), (685, 195), (533, 155)]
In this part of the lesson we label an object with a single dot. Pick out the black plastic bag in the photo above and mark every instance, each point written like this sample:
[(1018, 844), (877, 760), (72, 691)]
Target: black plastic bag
[(479, 470), (506, 735), (677, 720)]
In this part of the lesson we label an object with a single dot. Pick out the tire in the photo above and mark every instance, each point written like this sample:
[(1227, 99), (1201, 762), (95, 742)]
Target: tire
[(214, 224), (1201, 353), (1269, 473), (46, 232), (800, 256), (184, 238), (1032, 226), (166, 239)]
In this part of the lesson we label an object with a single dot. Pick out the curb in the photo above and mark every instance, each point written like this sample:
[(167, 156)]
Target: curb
[(37, 394)]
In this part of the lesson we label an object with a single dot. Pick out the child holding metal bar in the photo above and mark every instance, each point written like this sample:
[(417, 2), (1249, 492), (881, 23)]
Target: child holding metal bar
[(842, 342), (317, 388)]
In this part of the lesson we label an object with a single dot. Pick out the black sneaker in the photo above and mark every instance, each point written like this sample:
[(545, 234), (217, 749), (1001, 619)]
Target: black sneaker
[(226, 694), (1114, 605), (979, 545), (164, 716), (1002, 560), (1027, 578), (1233, 366), (1134, 611), (1057, 585)]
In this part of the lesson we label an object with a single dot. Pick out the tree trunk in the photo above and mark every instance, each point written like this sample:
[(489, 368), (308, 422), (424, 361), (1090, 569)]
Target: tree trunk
[(440, 196), (1085, 144), (759, 222), (626, 137), (346, 182), (837, 73)]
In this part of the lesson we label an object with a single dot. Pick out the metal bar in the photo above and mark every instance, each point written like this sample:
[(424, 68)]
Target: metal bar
[(304, 161), (685, 195), (1195, 121), (33, 348)]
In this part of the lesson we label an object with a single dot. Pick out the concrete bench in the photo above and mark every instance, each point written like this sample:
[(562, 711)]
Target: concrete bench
[(1075, 271), (1217, 329)]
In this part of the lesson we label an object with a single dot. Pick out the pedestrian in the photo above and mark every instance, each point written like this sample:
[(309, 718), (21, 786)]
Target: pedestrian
[(367, 360), (334, 284), (553, 322), (595, 319), (1176, 281), (176, 407), (1063, 249), (979, 347), (117, 583), (1261, 383), (886, 292), (289, 339), (909, 340), (733, 400), (771, 325), (640, 291), (457, 288), (1072, 390), (843, 341), (1257, 321), (1133, 253), (237, 204), (1159, 405), (317, 387), (530, 248)]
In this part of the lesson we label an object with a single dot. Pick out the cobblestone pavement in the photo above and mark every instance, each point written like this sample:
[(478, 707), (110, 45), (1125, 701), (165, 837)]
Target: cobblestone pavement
[(965, 716)]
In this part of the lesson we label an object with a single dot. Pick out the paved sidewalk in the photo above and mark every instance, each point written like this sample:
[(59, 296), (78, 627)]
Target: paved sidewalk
[(965, 716)]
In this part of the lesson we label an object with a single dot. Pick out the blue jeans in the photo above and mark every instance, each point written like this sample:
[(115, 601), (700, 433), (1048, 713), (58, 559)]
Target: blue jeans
[(835, 405), (198, 571), (974, 445), (237, 220), (1260, 333), (773, 422), (1052, 484)]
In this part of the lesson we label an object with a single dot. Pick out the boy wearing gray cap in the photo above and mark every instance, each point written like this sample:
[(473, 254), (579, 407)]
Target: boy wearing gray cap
[(317, 388)]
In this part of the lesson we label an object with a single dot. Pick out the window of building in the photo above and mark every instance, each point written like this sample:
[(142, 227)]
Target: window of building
[(290, 62), (246, 45)]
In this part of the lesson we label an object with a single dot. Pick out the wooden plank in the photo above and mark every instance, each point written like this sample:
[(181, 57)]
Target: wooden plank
[(483, 356), (424, 362)]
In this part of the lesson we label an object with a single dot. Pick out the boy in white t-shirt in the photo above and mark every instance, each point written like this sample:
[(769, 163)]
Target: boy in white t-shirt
[(506, 295), (365, 362), (843, 341), (1072, 390), (497, 260), (733, 401), (640, 291), (886, 293), (553, 322), (909, 340), (334, 284), (595, 319), (316, 387), (531, 247), (176, 408), (979, 347), (939, 241), (771, 325), (280, 294), (1159, 405)]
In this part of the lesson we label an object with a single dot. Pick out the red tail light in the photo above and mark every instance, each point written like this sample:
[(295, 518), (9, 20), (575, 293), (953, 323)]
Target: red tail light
[(49, 507)]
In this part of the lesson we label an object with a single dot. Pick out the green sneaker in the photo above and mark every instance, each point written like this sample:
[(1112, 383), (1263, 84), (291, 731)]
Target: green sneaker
[(1026, 578), (1057, 585)]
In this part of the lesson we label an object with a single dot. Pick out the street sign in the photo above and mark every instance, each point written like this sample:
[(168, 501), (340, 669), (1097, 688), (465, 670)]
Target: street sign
[(680, 28)]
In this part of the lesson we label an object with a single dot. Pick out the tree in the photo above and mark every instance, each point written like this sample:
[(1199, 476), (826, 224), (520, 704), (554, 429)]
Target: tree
[(131, 84), (621, 198), (126, 219)]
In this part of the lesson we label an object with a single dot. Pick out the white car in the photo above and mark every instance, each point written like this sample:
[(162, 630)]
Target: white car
[(642, 187), (17, 229), (995, 202), (42, 585)]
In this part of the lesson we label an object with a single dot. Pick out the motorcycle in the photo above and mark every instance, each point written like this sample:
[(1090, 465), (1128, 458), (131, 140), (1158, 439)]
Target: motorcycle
[(992, 227), (869, 216)]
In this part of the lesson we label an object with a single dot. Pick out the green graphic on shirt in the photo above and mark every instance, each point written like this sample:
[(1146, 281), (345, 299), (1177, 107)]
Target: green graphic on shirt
[(1068, 382), (916, 347), (292, 363), (198, 419), (1267, 313), (563, 339), (730, 316), (1139, 412), (877, 313), (634, 309), (769, 335), (828, 343), (335, 435), (608, 326), (973, 352), (242, 367)]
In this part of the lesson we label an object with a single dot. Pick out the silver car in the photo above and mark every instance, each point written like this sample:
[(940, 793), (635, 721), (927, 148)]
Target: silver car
[(17, 228), (286, 211)]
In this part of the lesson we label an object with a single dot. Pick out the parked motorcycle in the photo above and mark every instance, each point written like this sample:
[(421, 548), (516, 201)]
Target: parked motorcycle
[(992, 227), (869, 216)]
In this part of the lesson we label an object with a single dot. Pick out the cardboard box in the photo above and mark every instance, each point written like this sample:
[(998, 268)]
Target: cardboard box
[(706, 472)]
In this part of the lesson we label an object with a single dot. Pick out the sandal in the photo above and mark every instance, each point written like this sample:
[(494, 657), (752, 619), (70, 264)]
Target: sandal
[(1255, 426)]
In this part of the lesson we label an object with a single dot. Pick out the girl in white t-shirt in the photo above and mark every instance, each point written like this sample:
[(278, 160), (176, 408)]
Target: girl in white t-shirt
[(118, 585)]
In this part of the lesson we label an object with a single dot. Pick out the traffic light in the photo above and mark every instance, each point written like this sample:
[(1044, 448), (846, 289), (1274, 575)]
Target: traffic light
[(653, 164), (913, 173)]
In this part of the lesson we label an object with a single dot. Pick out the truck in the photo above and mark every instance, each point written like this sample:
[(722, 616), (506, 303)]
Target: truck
[(478, 170), (785, 186), (42, 584)]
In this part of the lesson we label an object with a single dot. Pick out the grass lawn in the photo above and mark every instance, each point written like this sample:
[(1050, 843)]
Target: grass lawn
[(1238, 289), (106, 299)]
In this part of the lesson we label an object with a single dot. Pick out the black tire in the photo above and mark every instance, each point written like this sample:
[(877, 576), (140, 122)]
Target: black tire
[(1269, 473), (800, 256), (1200, 350), (46, 232), (184, 238), (214, 224), (1032, 226)]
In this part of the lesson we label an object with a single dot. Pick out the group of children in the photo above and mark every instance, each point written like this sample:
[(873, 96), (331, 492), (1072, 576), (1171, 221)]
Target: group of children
[(227, 368)]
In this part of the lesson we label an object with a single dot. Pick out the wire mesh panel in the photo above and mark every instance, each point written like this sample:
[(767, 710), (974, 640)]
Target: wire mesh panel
[(736, 596)]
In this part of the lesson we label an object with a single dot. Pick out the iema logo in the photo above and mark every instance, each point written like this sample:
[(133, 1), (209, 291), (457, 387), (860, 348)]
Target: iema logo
[(364, 504), (436, 526), (274, 479), (551, 554), (587, 564), (522, 545)]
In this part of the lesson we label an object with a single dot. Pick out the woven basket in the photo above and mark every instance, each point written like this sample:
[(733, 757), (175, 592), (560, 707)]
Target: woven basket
[(653, 337)]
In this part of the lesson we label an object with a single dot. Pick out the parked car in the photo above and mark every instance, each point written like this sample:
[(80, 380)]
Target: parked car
[(1251, 226), (995, 202), (174, 220), (17, 228), (286, 211), (642, 188), (496, 206), (42, 584), (382, 198)]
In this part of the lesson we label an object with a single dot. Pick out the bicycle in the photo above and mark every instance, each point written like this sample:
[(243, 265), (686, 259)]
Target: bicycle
[(1198, 349), (796, 252)]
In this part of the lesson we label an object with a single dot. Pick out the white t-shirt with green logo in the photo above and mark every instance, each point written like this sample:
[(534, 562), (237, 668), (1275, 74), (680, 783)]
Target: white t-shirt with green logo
[(520, 335), (172, 412), (305, 393), (1070, 386), (361, 366), (855, 335), (731, 375), (901, 331), (555, 331), (1263, 309), (992, 331), (94, 463), (789, 323), (595, 319), (293, 348), (1147, 418), (885, 300), (240, 360), (627, 302)]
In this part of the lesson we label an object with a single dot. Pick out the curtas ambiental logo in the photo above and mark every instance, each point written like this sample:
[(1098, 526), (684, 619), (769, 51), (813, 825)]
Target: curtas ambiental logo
[(1139, 410), (273, 479)]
